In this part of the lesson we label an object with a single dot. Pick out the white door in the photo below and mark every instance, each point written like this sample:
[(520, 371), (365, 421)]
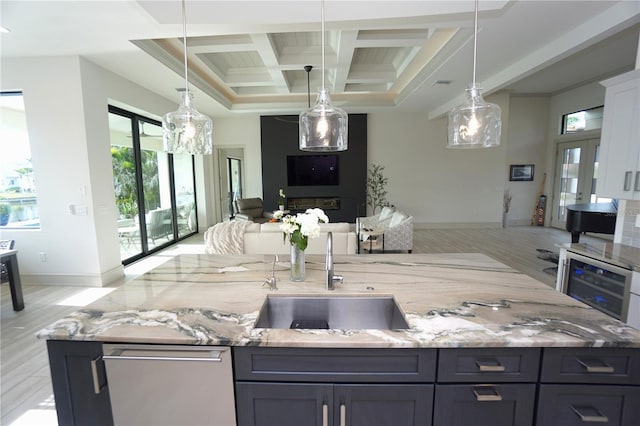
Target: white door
[(576, 175)]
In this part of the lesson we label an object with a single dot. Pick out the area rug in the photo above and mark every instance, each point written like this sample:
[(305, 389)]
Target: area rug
[(549, 256)]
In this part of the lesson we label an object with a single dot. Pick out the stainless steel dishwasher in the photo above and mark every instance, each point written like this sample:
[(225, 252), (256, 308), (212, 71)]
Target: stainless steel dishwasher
[(159, 385)]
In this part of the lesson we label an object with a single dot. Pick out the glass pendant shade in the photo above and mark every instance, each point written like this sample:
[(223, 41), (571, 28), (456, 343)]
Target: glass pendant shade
[(324, 126), (474, 124), (186, 131)]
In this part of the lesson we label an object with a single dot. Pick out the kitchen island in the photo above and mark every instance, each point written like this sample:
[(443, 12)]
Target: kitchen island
[(456, 305)]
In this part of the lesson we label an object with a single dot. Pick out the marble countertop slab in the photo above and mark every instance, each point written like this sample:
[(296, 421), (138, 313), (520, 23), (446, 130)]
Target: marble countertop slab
[(627, 257), (449, 300)]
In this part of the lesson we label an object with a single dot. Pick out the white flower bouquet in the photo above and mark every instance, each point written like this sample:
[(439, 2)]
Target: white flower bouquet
[(301, 227)]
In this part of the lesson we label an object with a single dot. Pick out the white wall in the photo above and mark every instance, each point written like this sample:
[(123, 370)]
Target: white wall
[(66, 102), (440, 187), (528, 119)]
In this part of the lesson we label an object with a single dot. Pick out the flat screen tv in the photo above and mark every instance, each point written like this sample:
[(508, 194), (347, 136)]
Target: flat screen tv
[(312, 170)]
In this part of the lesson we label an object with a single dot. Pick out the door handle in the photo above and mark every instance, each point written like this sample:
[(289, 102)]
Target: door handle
[(486, 393), (596, 366), (343, 414), (325, 414), (97, 387), (636, 187), (590, 414), (490, 365), (627, 180)]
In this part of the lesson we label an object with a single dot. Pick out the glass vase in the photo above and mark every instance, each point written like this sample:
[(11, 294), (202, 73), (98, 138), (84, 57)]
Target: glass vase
[(297, 264)]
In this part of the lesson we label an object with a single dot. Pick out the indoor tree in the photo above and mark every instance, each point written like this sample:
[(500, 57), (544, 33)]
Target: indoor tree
[(376, 188)]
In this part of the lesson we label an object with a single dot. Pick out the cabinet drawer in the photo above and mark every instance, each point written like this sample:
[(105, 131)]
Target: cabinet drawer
[(335, 365), (489, 365), (591, 365), (569, 405), (484, 405)]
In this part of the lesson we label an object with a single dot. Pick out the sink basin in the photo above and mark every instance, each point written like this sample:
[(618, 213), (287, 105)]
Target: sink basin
[(335, 312)]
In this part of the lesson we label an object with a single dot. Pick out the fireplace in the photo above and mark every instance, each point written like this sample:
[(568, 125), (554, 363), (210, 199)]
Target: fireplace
[(303, 203)]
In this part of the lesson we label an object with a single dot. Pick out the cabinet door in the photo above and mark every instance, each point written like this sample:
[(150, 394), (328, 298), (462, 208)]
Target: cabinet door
[(383, 405), (573, 405), (484, 405), (619, 174), (79, 383), (283, 404)]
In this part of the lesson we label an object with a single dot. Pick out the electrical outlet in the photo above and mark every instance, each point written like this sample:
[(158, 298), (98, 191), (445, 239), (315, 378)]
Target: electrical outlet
[(43, 256)]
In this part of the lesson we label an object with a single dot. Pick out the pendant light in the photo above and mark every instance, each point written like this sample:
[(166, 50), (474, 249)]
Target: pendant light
[(186, 131), (476, 123), (323, 127), (308, 69)]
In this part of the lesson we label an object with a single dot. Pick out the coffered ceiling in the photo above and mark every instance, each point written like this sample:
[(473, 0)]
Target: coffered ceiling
[(249, 56)]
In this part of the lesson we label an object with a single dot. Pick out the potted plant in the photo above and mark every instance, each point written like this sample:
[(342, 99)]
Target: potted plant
[(376, 191), (5, 210)]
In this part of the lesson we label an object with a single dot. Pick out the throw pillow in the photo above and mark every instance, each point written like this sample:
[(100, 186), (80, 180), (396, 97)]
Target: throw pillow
[(385, 213), (396, 218)]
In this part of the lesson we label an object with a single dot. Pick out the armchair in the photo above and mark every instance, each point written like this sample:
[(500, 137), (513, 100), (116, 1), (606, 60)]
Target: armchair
[(252, 209), (397, 226)]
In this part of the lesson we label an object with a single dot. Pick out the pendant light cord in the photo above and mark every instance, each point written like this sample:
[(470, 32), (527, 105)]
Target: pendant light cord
[(322, 38), (475, 44), (184, 38)]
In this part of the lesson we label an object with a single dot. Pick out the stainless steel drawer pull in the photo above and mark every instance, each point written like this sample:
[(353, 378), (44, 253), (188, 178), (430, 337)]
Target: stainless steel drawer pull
[(486, 393), (596, 366), (325, 414), (627, 180), (636, 187), (97, 388), (590, 414), (490, 365)]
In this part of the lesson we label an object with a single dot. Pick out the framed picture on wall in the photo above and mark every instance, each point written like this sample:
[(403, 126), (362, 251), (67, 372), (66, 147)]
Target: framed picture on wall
[(521, 172)]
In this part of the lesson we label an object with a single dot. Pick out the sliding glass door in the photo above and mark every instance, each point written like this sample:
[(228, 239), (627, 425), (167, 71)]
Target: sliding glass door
[(155, 192)]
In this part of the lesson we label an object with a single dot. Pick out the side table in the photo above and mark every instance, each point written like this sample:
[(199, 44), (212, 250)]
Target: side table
[(371, 233)]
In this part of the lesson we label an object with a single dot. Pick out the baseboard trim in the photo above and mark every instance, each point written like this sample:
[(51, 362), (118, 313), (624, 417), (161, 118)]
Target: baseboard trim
[(85, 280), (457, 225)]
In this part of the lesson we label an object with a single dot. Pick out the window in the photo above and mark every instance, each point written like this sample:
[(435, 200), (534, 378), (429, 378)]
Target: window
[(579, 121), (18, 203)]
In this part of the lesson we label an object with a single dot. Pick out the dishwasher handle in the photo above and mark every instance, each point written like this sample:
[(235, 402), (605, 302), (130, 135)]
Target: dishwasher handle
[(159, 358)]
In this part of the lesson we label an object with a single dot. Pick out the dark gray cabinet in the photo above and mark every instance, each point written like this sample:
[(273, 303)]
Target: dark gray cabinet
[(283, 404), (589, 385), (354, 387), (316, 404), (484, 405), (392, 387), (79, 383), (486, 386)]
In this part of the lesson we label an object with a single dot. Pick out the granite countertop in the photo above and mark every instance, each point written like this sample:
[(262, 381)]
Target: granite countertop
[(450, 300), (618, 254)]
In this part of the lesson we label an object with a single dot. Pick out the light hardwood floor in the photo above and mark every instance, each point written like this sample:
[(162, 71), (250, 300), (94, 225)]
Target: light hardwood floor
[(26, 395)]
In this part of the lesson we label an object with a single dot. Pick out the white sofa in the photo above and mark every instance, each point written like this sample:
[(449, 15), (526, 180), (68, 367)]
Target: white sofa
[(397, 226), (267, 238)]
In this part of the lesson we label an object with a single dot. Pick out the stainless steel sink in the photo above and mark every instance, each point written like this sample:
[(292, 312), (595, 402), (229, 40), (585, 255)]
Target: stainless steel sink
[(335, 312)]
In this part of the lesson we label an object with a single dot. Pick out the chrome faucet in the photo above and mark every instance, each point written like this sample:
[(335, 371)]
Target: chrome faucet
[(331, 279), (272, 282)]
